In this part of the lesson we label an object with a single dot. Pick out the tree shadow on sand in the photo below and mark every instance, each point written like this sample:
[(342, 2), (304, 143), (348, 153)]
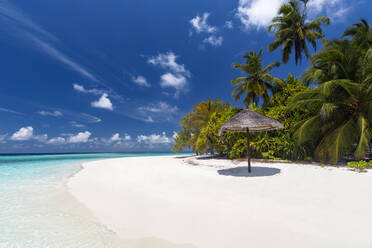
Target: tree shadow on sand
[(242, 171)]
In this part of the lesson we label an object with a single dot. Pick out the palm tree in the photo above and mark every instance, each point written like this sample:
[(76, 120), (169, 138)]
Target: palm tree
[(291, 29), (341, 105), (258, 82), (200, 117), (339, 60), (361, 33)]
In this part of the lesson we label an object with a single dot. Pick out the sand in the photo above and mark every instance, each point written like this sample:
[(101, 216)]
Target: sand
[(171, 202)]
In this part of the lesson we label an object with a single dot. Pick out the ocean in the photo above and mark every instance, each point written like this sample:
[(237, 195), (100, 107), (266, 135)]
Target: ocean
[(36, 209)]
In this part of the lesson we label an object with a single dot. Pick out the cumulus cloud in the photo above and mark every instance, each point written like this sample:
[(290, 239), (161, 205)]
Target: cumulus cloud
[(24, 133), (56, 141), (154, 139), (81, 137), (167, 61), (213, 40), (176, 74), (127, 137), (200, 24), (176, 81), (259, 13), (48, 113), (141, 81), (116, 137), (103, 102), (27, 133)]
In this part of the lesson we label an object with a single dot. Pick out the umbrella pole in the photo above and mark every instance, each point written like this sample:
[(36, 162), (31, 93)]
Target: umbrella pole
[(248, 152)]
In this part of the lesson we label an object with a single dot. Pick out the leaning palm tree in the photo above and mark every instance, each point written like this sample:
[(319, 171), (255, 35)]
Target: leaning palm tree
[(341, 105), (258, 83), (292, 30)]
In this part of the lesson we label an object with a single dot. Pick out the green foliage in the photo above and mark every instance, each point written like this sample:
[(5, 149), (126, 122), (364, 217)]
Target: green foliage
[(340, 120), (239, 149), (197, 129), (323, 122), (292, 30), (358, 165), (258, 83)]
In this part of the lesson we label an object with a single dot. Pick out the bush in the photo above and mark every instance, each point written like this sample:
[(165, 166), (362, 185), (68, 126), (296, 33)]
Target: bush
[(358, 165)]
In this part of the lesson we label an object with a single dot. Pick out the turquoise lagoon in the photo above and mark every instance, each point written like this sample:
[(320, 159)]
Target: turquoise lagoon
[(36, 209)]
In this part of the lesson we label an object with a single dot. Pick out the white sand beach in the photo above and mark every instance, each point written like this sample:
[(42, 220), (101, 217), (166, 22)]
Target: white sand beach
[(169, 202)]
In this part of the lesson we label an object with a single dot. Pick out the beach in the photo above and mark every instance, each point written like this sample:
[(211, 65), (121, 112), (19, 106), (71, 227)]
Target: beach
[(172, 201)]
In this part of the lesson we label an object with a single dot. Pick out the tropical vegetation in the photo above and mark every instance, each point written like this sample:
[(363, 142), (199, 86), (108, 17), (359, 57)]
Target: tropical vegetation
[(293, 31), (327, 112)]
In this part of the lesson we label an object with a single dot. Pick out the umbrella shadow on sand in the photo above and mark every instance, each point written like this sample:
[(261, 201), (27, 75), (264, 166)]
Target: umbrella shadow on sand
[(243, 172)]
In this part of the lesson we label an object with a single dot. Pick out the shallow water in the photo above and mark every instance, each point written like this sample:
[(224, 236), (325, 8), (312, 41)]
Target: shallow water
[(37, 211)]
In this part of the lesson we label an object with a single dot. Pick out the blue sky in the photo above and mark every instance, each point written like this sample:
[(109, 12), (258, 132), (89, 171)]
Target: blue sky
[(118, 75)]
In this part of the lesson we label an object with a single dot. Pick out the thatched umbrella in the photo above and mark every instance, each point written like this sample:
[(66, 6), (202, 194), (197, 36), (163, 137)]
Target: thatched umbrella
[(250, 121)]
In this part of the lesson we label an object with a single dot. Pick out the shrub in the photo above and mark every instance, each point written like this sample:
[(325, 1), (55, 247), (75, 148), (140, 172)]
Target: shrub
[(358, 165)]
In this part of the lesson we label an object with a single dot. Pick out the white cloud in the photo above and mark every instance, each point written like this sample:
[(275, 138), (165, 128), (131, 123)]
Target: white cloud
[(48, 113), (257, 13), (104, 102), (56, 141), (27, 133), (81, 137), (154, 139), (318, 6), (115, 137), (176, 74), (175, 81), (167, 61), (334, 9), (81, 88), (24, 133), (199, 24), (229, 24), (213, 40), (141, 81), (41, 137)]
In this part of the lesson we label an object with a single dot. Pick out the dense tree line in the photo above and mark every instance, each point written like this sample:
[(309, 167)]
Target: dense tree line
[(327, 112)]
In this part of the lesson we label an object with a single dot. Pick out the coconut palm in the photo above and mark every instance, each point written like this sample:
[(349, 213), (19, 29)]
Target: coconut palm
[(292, 30), (258, 83), (203, 112), (338, 60), (200, 117), (361, 33), (341, 105)]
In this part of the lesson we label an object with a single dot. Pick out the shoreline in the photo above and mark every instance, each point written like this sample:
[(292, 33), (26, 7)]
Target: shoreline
[(217, 204)]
